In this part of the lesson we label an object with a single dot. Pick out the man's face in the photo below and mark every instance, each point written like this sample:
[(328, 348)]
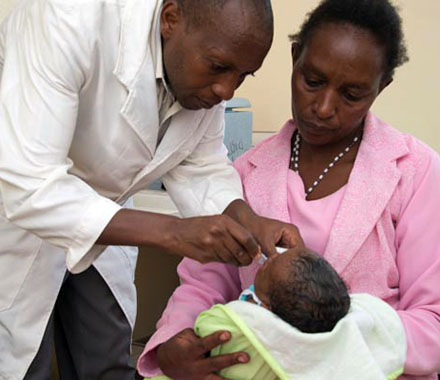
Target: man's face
[(206, 64)]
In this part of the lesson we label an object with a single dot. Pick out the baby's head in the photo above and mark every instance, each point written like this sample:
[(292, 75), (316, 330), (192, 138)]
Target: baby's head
[(303, 289)]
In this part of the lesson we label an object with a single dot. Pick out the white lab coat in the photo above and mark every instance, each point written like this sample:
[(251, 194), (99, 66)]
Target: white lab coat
[(78, 136)]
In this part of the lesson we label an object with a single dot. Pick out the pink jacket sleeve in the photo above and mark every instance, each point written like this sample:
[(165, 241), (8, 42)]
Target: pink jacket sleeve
[(202, 285), (418, 260)]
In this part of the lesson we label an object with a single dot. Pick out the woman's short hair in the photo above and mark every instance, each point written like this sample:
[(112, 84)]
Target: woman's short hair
[(379, 17)]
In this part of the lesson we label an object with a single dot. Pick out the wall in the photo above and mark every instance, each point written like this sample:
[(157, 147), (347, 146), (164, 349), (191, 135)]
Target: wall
[(5, 7), (410, 103)]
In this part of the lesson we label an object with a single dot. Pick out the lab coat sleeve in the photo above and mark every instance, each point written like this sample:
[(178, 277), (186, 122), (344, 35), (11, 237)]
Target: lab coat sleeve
[(205, 183), (47, 49), (418, 260), (202, 286)]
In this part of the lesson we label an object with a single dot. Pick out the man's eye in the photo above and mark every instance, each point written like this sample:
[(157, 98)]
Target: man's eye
[(218, 68), (312, 82)]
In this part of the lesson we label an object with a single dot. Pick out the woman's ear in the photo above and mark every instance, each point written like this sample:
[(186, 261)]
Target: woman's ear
[(385, 83), (170, 18)]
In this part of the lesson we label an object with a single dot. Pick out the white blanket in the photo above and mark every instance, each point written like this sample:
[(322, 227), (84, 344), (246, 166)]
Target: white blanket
[(368, 343)]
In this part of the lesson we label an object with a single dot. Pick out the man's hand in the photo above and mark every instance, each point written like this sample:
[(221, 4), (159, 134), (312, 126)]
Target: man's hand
[(205, 238), (184, 356), (211, 238), (269, 233)]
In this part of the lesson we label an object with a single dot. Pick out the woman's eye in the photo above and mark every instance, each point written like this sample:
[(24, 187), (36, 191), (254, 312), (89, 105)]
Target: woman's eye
[(352, 97)]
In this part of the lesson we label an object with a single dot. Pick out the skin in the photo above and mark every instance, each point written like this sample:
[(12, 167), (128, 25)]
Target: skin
[(274, 271), (335, 80), (205, 65)]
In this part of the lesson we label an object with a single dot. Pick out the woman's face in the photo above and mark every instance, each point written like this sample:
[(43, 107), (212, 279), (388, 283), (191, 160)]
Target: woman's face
[(335, 80)]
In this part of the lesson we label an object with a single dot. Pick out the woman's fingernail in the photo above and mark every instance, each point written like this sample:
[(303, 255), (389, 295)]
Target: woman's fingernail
[(242, 359), (224, 337)]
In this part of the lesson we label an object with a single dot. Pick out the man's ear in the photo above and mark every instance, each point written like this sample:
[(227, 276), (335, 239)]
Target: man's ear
[(171, 18), (295, 52)]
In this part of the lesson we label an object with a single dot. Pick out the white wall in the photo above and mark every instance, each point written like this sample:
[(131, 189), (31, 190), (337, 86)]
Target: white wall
[(410, 103)]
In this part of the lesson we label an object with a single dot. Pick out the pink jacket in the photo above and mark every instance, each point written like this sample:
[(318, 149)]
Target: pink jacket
[(385, 239)]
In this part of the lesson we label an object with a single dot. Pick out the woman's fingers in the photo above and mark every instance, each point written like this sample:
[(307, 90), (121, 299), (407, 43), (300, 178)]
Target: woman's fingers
[(184, 356)]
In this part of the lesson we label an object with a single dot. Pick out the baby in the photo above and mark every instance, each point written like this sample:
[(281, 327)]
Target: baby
[(302, 288)]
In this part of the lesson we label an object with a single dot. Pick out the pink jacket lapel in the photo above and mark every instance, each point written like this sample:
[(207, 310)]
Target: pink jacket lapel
[(375, 176), (266, 185)]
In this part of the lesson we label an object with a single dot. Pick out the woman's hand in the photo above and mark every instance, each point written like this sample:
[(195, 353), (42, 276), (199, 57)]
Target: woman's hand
[(269, 233), (186, 356)]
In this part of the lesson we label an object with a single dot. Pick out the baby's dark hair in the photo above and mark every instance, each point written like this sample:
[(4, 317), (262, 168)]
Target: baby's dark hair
[(314, 298), (379, 17)]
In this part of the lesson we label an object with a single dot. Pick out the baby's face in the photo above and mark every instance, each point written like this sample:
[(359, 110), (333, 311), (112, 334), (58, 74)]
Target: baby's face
[(274, 272)]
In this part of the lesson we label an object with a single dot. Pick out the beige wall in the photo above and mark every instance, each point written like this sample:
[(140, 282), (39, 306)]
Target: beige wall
[(5, 7), (410, 103)]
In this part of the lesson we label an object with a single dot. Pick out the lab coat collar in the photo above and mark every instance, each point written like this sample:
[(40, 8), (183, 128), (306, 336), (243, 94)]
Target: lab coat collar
[(135, 69), (136, 29)]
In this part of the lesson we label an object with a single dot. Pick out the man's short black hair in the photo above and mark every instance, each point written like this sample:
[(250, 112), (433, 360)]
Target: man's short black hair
[(314, 298), (199, 12), (379, 17)]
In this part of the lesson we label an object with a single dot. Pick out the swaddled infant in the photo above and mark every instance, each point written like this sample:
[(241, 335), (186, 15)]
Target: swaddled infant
[(302, 288), (312, 329)]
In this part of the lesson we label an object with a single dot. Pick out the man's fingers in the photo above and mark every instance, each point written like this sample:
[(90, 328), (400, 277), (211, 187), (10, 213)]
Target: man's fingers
[(245, 239), (233, 252), (291, 238), (268, 248)]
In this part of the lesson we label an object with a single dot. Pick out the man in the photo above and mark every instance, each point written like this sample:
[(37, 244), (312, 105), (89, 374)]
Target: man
[(99, 98)]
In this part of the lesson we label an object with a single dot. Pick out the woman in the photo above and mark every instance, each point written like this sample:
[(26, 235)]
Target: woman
[(362, 194)]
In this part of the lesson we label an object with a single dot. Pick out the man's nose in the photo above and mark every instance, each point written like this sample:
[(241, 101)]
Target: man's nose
[(325, 104), (225, 87)]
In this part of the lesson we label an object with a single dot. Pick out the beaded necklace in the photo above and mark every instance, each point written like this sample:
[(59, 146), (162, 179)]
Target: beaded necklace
[(294, 159)]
